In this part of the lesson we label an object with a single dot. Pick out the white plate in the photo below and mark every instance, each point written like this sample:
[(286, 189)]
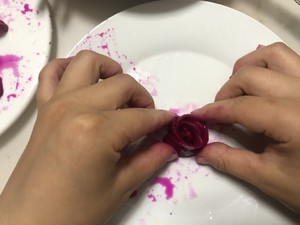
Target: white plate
[(28, 41), (183, 52)]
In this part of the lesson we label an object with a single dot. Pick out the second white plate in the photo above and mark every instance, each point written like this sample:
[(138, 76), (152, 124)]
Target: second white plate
[(24, 50)]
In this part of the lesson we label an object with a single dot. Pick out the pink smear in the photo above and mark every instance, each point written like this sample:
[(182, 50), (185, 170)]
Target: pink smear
[(165, 182), (184, 109), (152, 197), (11, 96), (4, 2), (9, 62), (105, 47), (26, 9), (192, 193)]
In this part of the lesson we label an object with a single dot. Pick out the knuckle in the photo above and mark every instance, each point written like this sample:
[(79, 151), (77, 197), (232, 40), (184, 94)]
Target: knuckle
[(128, 79), (57, 109), (85, 131), (278, 46), (87, 124), (278, 49), (220, 162), (239, 63), (245, 73), (86, 54), (44, 72)]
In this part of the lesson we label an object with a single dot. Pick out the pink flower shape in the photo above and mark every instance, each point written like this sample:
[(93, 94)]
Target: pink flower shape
[(3, 28), (187, 134)]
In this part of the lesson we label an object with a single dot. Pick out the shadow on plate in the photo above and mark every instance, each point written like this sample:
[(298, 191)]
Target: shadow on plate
[(270, 8)]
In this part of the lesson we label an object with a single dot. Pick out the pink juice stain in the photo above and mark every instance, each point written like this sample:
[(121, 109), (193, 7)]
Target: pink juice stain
[(9, 62), (152, 197), (167, 184), (5, 2), (11, 96), (26, 9), (184, 109)]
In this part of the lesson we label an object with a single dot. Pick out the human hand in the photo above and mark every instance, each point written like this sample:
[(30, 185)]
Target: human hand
[(263, 95), (73, 170)]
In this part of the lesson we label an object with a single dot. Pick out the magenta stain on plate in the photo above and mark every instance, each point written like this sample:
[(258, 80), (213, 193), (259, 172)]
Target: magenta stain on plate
[(9, 62), (192, 192), (149, 81), (4, 2), (26, 9), (11, 96), (108, 46), (106, 37), (184, 109), (167, 184), (152, 197)]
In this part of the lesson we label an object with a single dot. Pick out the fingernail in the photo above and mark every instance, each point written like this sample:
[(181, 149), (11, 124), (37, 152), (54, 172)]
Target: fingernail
[(201, 161), (260, 46), (173, 157)]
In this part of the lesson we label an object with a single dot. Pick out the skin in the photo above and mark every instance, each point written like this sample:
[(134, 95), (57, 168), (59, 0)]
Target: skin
[(74, 169), (262, 95)]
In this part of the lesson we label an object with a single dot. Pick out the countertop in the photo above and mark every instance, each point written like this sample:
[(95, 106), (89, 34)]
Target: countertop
[(72, 19)]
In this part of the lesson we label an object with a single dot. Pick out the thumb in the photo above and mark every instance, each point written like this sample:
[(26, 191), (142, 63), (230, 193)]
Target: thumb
[(141, 166), (243, 164)]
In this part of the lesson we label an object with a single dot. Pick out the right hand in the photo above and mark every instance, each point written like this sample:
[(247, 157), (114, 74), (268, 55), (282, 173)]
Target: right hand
[(263, 95)]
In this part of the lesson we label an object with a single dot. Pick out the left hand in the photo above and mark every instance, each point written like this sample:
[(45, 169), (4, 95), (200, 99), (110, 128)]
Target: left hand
[(73, 170)]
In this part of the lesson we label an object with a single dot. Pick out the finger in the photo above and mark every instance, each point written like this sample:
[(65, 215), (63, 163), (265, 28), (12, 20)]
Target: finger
[(255, 113), (131, 124), (141, 166), (87, 68), (276, 57), (117, 91), (243, 164), (49, 78), (259, 81)]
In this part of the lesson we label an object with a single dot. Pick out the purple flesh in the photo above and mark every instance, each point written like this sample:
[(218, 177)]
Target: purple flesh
[(1, 88), (3, 28), (187, 134)]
